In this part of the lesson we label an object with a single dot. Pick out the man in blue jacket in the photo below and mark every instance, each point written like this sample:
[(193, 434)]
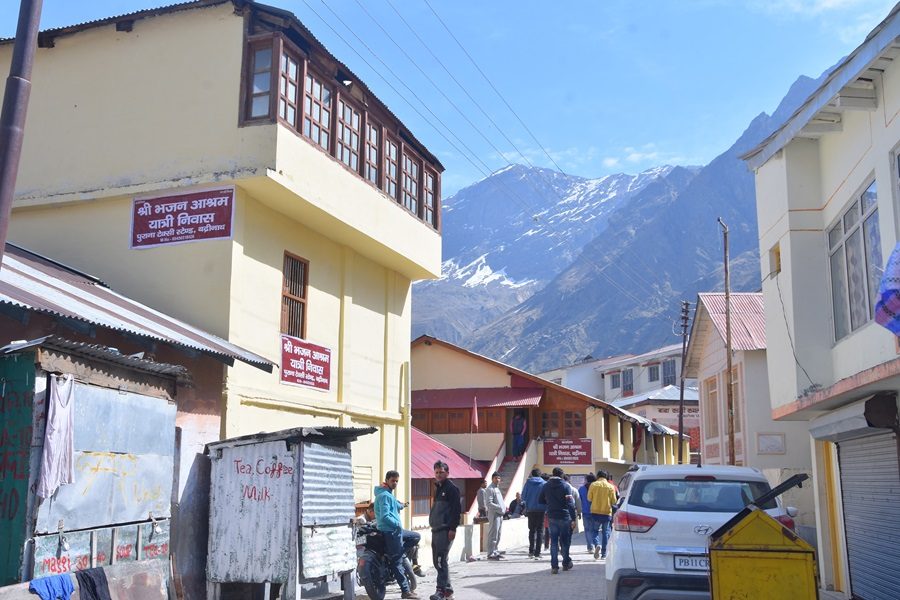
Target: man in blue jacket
[(561, 513), (534, 510), (387, 520)]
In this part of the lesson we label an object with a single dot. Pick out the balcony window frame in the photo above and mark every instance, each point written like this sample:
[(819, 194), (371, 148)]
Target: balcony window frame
[(390, 141), (343, 100), (378, 148), (315, 78), (249, 72)]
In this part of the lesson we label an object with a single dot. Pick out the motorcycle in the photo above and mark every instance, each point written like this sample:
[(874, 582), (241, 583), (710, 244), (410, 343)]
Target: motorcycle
[(372, 570)]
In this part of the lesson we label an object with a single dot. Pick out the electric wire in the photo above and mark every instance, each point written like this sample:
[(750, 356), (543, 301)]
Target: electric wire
[(493, 87)]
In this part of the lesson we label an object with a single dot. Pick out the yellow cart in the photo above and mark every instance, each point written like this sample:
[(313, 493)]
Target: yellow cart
[(758, 557)]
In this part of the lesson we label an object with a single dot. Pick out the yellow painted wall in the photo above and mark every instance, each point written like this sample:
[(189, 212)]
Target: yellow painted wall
[(441, 368), (148, 109), (155, 111)]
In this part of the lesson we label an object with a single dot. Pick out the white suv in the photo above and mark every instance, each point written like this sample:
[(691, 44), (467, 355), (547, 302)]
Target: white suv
[(658, 547)]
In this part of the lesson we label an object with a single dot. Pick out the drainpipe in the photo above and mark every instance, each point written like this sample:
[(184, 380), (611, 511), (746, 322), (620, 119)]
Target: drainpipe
[(15, 106)]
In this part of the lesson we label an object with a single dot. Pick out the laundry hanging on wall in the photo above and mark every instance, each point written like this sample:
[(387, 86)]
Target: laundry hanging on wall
[(58, 458)]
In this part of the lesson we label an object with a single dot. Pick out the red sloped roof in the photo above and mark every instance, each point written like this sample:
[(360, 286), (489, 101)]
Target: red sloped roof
[(748, 319), (426, 451), (487, 397)]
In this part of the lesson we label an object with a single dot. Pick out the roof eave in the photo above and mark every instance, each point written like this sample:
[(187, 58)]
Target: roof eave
[(856, 63)]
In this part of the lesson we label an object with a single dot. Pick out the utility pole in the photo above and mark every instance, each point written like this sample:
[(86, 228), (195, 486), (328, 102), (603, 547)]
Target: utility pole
[(729, 393), (15, 105), (685, 316)]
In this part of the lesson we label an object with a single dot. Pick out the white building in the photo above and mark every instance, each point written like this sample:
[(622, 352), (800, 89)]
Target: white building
[(827, 204), (618, 377)]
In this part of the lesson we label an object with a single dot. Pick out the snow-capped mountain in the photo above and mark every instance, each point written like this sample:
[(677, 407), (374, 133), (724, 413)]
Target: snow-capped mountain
[(509, 234)]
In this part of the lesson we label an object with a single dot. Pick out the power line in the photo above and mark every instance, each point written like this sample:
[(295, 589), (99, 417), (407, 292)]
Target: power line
[(493, 87), (484, 171)]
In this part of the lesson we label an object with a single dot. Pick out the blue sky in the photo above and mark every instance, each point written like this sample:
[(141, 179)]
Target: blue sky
[(604, 86)]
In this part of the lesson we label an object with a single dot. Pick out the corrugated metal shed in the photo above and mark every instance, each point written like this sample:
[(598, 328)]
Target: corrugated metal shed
[(748, 319), (96, 351), (33, 282), (426, 451), (487, 397)]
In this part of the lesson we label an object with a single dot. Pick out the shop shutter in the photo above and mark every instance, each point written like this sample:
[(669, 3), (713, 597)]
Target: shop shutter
[(870, 482)]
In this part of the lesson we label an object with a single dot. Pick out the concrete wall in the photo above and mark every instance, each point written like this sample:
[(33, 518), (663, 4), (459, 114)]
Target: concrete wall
[(438, 368), (480, 446), (801, 192)]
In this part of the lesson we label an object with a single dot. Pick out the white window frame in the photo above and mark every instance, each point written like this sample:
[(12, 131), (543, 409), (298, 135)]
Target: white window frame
[(869, 271), (615, 380)]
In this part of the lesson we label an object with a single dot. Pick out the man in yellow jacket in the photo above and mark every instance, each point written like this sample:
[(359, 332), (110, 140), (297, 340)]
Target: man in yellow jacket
[(602, 495)]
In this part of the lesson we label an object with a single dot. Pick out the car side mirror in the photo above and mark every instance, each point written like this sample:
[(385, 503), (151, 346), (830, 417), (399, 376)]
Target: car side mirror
[(792, 511)]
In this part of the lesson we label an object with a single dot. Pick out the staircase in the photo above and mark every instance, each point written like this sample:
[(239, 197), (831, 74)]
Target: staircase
[(507, 470)]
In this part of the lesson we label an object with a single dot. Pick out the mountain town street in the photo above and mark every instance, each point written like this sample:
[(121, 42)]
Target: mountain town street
[(517, 576)]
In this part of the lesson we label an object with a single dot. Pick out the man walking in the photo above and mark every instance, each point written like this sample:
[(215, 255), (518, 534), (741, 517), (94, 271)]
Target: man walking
[(602, 496), (561, 514), (534, 511), (587, 518), (387, 520), (443, 520), (495, 511)]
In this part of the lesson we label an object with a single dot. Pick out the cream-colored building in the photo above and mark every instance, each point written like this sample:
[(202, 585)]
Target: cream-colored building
[(215, 161), (779, 449), (827, 200)]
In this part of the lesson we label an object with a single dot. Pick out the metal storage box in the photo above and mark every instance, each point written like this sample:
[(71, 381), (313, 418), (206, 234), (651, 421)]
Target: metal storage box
[(281, 512)]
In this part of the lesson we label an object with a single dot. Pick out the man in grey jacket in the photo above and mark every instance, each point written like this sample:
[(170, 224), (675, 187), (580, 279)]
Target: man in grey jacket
[(496, 508)]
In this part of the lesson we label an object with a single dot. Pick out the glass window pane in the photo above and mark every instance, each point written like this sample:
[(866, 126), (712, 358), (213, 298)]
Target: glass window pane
[(874, 260), (857, 280), (851, 217), (326, 95), (324, 138), (292, 92), (839, 295), (260, 106), (291, 114), (834, 235), (292, 71), (869, 198), (261, 83), (308, 84), (262, 59)]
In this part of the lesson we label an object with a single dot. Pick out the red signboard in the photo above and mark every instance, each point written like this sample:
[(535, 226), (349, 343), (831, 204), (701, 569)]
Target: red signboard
[(305, 364), (182, 218), (568, 452)]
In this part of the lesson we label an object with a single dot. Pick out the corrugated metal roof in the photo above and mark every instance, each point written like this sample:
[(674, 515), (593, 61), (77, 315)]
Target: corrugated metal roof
[(33, 282), (320, 435), (486, 397), (748, 319), (426, 451), (669, 393), (97, 351)]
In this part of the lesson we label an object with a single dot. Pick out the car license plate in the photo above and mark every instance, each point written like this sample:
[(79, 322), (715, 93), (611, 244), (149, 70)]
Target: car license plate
[(684, 562)]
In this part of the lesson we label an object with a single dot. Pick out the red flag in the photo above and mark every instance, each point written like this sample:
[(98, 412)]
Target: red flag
[(475, 412)]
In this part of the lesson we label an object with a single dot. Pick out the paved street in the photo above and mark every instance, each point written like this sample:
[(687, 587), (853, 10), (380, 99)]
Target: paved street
[(517, 577)]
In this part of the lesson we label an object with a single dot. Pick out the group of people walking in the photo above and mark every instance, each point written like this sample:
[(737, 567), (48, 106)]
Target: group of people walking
[(549, 502), (554, 502)]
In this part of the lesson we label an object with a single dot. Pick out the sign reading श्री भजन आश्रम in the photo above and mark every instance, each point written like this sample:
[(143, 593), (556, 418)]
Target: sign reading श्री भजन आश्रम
[(182, 218)]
